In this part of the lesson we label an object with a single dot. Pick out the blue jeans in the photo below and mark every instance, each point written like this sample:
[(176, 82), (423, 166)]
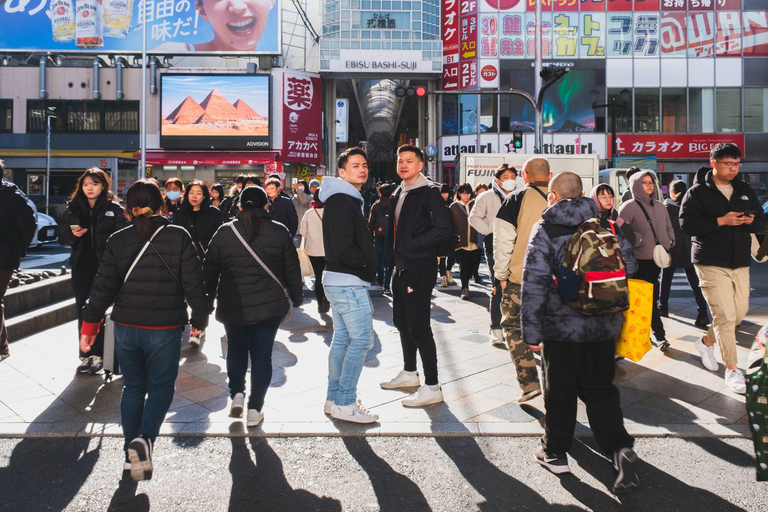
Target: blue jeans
[(255, 340), (149, 360), (352, 339)]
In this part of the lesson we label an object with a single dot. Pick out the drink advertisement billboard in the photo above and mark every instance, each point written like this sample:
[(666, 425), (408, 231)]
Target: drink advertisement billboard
[(172, 26), (215, 111)]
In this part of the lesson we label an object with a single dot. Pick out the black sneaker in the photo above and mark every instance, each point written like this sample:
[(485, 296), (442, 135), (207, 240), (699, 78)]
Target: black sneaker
[(556, 463), (127, 463), (4, 353), (663, 311), (625, 462), (702, 322), (140, 455), (662, 344)]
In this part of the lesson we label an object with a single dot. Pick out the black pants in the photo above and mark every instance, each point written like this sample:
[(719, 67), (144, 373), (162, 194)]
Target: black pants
[(5, 279), (585, 371), (442, 264), (82, 281), (411, 305), (648, 271), (469, 261), (318, 265), (495, 304), (693, 280)]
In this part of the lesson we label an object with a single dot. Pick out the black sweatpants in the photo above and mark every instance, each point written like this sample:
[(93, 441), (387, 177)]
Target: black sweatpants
[(667, 274), (649, 272), (469, 261), (495, 305), (82, 281), (318, 265), (411, 305), (585, 371)]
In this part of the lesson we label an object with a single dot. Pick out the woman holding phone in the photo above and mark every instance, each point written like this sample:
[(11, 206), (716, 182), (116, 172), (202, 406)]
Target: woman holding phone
[(89, 220)]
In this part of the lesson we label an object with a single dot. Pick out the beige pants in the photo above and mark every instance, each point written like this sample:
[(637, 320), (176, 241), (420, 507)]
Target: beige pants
[(727, 293)]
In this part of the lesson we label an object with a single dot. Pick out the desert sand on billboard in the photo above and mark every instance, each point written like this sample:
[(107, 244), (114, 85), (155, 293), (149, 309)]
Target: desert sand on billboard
[(215, 115)]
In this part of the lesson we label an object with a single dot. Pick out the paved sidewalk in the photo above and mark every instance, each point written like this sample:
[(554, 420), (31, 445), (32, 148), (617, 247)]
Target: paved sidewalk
[(664, 395)]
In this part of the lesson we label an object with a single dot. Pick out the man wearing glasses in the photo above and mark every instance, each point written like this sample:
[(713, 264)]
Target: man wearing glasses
[(720, 212)]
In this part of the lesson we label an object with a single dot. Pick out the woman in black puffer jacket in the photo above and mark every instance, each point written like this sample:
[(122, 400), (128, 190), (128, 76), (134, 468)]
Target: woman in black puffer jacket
[(250, 302), (150, 311), (197, 216), (89, 220)]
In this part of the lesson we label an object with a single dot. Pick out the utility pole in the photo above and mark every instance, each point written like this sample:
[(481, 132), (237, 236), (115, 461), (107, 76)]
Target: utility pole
[(537, 80)]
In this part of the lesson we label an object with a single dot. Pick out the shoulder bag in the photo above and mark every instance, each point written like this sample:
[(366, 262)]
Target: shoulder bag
[(289, 315), (661, 256)]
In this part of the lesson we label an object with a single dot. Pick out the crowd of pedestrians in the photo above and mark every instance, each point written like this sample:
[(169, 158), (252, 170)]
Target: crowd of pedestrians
[(175, 249)]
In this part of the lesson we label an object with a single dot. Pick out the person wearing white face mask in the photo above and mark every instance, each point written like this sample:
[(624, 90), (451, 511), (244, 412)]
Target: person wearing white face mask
[(481, 218), (174, 189)]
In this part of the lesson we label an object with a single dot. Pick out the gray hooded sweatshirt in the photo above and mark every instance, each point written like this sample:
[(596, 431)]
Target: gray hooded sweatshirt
[(632, 214)]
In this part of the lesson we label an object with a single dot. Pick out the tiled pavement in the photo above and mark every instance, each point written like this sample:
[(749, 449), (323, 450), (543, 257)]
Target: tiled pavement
[(664, 394)]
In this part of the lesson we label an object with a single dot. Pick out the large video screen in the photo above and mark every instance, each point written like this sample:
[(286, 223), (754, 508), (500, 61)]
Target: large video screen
[(215, 111), (175, 27)]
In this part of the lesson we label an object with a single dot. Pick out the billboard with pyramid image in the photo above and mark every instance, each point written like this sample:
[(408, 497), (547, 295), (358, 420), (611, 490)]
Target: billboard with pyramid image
[(215, 111)]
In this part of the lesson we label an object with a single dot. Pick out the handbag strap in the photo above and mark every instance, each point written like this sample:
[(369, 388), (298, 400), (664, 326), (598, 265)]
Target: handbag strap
[(303, 242), (318, 214), (141, 253), (164, 263), (258, 260), (655, 238)]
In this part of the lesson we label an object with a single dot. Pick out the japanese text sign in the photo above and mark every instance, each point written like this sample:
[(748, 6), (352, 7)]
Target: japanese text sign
[(672, 146), (302, 117)]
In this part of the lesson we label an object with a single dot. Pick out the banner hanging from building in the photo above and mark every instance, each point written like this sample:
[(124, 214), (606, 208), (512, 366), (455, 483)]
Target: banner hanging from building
[(172, 26), (672, 145), (302, 117)]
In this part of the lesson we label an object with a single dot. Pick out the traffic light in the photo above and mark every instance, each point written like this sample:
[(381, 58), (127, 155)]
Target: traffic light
[(517, 139), (410, 91)]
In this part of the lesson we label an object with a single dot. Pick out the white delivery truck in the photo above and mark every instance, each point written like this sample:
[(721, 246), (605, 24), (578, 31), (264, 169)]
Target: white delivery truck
[(475, 168)]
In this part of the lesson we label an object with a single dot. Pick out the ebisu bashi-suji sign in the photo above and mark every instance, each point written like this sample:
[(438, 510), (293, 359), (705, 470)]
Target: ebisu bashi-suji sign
[(116, 26)]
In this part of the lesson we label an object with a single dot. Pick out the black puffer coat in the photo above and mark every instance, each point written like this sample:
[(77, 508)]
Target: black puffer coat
[(151, 297), (100, 222), (284, 212), (246, 293), (681, 252), (17, 226), (200, 226)]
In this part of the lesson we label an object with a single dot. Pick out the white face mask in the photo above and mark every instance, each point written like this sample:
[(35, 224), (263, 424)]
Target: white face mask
[(173, 195), (508, 185)]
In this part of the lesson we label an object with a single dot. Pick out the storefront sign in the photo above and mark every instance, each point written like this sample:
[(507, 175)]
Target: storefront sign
[(552, 144), (672, 146), (172, 26), (450, 29), (378, 61), (302, 117), (489, 74)]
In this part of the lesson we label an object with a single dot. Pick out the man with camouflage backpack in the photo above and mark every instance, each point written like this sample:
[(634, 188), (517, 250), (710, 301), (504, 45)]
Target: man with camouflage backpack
[(576, 340)]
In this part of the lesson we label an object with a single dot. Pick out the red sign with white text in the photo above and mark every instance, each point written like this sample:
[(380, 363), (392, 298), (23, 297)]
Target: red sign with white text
[(468, 37), (468, 74), (670, 145), (451, 77), (302, 118), (450, 27)]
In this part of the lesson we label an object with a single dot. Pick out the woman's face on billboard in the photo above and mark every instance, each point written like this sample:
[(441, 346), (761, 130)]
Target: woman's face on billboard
[(238, 24)]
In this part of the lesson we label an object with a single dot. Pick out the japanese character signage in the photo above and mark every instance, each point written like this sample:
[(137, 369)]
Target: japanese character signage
[(468, 74), (704, 34), (450, 45), (302, 117), (672, 146), (172, 26), (216, 111), (468, 37)]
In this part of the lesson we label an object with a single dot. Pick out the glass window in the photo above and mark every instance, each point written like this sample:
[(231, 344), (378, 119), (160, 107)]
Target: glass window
[(122, 116), (468, 113), (83, 117), (674, 110), (37, 111), (701, 110), (728, 114), (450, 108), (646, 110), (6, 115), (755, 104), (488, 114), (623, 115)]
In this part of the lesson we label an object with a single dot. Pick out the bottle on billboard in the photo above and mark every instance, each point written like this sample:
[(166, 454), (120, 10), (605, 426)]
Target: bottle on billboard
[(89, 29), (117, 17), (62, 13)]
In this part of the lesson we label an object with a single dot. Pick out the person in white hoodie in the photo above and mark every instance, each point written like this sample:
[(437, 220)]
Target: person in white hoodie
[(481, 218)]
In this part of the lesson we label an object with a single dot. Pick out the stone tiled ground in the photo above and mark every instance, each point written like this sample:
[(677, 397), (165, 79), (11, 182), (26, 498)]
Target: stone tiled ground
[(664, 394)]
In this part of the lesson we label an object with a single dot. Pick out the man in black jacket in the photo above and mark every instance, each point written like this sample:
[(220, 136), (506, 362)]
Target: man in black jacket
[(721, 212), (350, 267), (419, 222), (281, 207), (230, 206), (17, 229)]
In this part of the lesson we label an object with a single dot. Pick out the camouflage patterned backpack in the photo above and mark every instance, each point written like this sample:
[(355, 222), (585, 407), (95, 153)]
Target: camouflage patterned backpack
[(592, 278)]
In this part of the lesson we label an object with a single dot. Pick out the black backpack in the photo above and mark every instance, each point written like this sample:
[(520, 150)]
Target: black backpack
[(382, 222)]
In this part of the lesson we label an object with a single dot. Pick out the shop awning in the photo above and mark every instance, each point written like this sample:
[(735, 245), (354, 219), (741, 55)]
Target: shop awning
[(210, 158)]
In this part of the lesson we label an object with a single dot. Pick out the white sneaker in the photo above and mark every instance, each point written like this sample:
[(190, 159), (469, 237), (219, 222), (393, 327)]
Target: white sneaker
[(423, 396), (707, 355), (354, 413), (497, 337), (236, 409), (734, 379), (254, 418), (327, 407), (140, 456), (194, 341), (403, 380)]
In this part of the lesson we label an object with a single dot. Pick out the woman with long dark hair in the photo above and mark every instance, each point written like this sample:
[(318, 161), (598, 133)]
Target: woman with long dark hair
[(89, 220), (217, 195), (251, 300), (150, 272), (467, 250)]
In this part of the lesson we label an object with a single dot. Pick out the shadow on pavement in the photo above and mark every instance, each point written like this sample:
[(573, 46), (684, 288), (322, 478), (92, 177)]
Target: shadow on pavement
[(259, 483), (394, 491), (125, 497)]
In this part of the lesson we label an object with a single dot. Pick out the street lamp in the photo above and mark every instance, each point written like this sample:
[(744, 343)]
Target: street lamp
[(626, 97)]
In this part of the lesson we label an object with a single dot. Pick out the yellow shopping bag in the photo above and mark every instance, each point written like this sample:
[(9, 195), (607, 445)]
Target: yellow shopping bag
[(635, 338)]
